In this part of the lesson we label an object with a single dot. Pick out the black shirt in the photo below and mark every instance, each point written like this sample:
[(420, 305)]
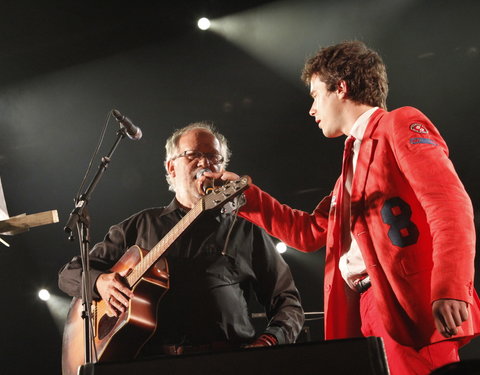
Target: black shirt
[(209, 292)]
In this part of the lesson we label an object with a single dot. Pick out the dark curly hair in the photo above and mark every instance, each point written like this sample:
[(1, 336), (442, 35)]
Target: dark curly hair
[(353, 62)]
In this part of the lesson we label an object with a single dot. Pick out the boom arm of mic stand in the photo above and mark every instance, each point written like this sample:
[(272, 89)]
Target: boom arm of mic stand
[(82, 201), (79, 218)]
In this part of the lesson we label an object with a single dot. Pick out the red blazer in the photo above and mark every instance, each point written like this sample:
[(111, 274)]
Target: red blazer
[(413, 222)]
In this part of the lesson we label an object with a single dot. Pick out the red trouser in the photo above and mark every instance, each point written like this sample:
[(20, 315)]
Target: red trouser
[(404, 360)]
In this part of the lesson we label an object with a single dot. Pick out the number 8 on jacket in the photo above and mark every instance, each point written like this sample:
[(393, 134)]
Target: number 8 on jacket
[(397, 213)]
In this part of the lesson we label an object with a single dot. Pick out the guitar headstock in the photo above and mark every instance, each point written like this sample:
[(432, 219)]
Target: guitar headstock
[(225, 193)]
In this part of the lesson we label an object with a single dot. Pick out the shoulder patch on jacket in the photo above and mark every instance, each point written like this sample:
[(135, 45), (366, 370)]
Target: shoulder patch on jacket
[(418, 128)]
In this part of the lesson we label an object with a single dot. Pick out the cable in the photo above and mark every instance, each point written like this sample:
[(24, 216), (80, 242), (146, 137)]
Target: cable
[(227, 239), (95, 152)]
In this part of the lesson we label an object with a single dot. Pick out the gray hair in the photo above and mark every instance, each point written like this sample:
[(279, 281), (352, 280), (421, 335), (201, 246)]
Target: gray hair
[(171, 146)]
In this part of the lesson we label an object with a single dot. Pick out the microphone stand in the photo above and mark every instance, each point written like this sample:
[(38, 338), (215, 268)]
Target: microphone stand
[(80, 219)]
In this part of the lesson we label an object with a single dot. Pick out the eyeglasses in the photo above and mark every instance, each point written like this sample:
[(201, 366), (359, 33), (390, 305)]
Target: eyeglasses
[(214, 159)]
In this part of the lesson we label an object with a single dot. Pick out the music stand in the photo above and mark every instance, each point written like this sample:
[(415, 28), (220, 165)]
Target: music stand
[(23, 222)]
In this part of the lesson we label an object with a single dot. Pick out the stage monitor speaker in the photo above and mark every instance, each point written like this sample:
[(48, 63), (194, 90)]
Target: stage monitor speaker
[(465, 367), (364, 356)]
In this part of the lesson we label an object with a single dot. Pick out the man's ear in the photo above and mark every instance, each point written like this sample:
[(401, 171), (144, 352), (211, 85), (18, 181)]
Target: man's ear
[(342, 89), (170, 168)]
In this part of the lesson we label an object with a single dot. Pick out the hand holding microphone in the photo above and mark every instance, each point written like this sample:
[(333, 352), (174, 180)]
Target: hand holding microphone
[(223, 176), (207, 178), (206, 184)]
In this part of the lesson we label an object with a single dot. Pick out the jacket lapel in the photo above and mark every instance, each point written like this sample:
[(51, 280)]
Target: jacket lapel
[(364, 158)]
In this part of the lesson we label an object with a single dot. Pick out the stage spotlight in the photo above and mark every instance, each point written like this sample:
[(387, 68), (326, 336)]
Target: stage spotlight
[(58, 307), (281, 247), (203, 23), (44, 294)]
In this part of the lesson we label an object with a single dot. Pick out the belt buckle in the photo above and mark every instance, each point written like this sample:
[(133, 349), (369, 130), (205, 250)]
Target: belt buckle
[(363, 284), (179, 350), (173, 349)]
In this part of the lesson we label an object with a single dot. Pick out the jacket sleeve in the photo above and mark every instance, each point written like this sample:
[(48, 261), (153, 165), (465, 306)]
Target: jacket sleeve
[(102, 257), (298, 229), (422, 156), (275, 290)]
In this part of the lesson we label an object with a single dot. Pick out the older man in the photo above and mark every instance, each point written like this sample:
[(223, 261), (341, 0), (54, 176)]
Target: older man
[(214, 264)]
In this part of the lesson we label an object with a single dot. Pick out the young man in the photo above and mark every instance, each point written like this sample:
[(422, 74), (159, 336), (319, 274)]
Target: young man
[(214, 264), (398, 226)]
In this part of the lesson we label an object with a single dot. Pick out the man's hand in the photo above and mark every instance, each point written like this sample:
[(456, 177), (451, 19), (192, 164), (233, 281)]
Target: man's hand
[(114, 292), (263, 340), (449, 314), (224, 176)]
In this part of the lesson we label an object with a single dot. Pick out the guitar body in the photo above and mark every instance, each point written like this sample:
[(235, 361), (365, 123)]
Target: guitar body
[(119, 337)]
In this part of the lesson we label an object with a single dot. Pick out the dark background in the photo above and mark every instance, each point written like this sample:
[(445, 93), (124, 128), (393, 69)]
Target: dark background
[(65, 64)]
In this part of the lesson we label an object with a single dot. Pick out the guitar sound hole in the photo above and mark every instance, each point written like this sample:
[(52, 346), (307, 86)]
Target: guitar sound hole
[(105, 325)]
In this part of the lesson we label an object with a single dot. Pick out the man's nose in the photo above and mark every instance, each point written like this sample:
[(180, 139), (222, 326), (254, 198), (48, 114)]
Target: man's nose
[(312, 111), (203, 161)]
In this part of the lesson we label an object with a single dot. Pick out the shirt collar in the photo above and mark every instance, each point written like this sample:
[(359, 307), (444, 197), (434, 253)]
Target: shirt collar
[(176, 206), (358, 128), (173, 206)]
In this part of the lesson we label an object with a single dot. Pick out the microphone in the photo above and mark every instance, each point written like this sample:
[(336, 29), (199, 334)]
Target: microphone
[(207, 186), (133, 132)]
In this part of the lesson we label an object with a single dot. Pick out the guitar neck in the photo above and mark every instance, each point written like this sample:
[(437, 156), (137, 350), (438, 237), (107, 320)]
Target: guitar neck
[(159, 249)]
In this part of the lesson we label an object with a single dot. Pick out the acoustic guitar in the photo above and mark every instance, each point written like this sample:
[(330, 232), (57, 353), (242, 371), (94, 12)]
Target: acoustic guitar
[(146, 274)]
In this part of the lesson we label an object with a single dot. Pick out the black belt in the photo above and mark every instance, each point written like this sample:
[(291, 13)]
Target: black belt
[(362, 285), (191, 349)]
